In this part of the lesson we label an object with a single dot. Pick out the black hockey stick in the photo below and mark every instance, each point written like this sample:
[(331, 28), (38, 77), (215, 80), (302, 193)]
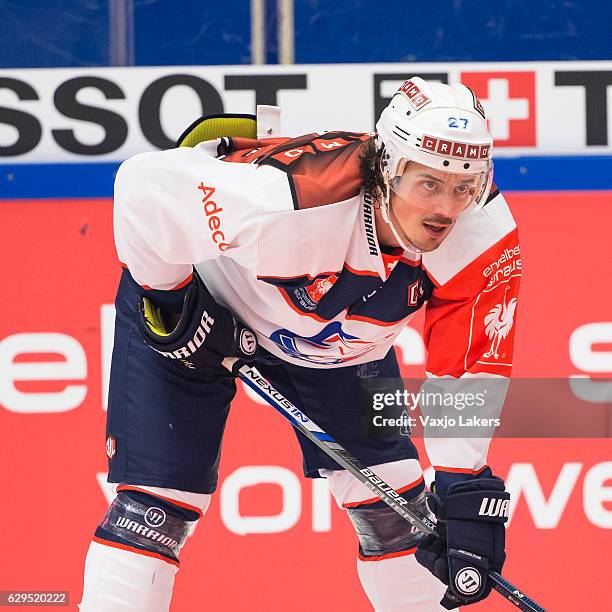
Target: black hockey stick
[(377, 485)]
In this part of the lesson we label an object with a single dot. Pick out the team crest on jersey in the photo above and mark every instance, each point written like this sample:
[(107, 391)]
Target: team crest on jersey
[(331, 338), (111, 447), (320, 287), (498, 323)]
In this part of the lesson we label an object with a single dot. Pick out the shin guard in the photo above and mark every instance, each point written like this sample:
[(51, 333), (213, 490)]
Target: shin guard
[(131, 563)]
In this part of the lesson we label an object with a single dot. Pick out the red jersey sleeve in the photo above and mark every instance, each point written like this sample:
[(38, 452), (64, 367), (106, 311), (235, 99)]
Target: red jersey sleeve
[(470, 319)]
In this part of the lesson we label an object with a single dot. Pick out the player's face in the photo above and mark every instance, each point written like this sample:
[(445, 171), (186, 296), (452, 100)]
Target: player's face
[(425, 203)]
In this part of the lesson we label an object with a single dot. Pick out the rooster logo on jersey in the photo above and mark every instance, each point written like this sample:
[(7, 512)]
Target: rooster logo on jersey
[(498, 323), (331, 338), (320, 287)]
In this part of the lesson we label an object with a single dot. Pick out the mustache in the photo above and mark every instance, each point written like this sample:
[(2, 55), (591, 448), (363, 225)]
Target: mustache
[(439, 219)]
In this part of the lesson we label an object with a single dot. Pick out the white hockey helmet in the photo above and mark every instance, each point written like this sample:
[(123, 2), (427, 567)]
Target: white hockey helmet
[(440, 126)]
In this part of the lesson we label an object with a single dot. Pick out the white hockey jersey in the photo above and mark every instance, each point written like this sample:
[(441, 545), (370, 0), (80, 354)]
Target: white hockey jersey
[(282, 233)]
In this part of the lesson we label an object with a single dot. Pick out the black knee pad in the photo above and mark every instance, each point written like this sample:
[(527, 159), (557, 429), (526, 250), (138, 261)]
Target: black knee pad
[(382, 531), (147, 522)]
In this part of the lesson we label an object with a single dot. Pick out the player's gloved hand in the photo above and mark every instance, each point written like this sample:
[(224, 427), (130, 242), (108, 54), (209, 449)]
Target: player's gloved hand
[(204, 334), (470, 521)]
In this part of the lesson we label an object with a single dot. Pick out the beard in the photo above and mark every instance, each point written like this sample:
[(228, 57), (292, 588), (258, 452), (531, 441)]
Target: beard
[(420, 238), (425, 233), (425, 246)]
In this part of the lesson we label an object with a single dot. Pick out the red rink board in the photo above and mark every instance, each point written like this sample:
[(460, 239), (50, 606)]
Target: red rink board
[(60, 268)]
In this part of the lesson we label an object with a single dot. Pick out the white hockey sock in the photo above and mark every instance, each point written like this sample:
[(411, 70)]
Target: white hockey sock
[(118, 580), (400, 584), (395, 583)]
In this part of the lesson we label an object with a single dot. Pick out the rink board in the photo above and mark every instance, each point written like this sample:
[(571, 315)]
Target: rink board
[(60, 275)]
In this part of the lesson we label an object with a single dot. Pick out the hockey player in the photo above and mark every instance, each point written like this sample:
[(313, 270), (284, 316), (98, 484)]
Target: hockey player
[(307, 256)]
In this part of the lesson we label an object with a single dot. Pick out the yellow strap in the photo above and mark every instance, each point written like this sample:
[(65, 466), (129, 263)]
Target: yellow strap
[(210, 128), (153, 317)]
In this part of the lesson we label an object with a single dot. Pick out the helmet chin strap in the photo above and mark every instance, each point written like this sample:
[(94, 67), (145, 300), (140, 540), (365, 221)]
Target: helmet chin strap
[(385, 210)]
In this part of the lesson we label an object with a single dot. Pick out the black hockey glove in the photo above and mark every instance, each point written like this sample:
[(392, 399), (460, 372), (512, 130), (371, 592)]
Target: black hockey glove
[(470, 522), (205, 333)]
